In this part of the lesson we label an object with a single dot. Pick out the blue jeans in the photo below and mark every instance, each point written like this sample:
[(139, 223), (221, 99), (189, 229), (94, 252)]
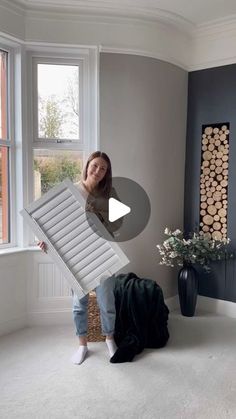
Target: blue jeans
[(106, 303)]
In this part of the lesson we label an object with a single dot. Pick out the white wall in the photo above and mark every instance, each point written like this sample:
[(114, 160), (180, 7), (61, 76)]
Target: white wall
[(32, 292), (48, 293), (13, 292)]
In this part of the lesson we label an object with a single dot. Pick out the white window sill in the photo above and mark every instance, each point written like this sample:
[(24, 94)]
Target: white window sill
[(14, 250)]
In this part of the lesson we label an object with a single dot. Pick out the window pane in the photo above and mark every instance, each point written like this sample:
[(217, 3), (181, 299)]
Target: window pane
[(58, 101), (53, 166), (3, 95), (4, 201)]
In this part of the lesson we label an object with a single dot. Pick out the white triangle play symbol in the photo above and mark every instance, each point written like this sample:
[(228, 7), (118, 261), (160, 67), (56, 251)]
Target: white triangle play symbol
[(117, 210)]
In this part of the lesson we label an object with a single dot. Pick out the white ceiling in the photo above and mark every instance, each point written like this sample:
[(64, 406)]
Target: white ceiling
[(195, 12)]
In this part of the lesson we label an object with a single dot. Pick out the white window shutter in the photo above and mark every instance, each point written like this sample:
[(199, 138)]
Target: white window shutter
[(84, 257)]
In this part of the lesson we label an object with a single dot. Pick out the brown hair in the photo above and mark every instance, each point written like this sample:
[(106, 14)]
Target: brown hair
[(105, 184)]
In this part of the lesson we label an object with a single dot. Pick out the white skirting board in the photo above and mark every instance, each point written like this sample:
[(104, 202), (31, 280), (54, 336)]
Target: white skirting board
[(212, 305), (14, 324), (84, 257), (63, 315), (206, 304)]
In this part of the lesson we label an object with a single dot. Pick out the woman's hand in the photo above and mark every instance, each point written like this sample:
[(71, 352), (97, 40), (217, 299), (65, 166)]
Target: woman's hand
[(42, 246)]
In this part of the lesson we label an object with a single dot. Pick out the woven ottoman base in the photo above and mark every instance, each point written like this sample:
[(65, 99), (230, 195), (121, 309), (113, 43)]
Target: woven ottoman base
[(94, 323)]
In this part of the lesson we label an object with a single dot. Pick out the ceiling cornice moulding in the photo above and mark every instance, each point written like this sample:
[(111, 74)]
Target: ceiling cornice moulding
[(219, 27), (13, 6), (204, 65), (145, 31), (116, 10), (150, 54), (104, 9)]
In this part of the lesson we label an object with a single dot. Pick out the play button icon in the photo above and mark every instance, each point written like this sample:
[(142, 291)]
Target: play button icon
[(116, 210), (124, 214)]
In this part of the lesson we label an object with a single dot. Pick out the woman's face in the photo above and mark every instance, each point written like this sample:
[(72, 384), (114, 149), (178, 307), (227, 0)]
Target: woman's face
[(97, 169)]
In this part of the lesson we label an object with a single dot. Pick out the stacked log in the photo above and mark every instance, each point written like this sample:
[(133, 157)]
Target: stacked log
[(214, 181)]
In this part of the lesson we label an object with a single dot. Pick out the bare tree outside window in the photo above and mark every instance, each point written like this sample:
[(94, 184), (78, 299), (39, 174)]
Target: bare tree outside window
[(58, 119), (72, 103), (51, 118), (58, 101)]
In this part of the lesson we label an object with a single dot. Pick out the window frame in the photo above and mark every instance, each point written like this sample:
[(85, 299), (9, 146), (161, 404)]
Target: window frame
[(10, 144), (87, 59)]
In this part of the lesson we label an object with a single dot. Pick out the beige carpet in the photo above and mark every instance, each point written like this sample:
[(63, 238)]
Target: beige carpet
[(194, 377)]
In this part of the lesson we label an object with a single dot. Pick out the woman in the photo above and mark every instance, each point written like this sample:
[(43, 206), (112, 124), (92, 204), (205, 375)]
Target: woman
[(96, 188)]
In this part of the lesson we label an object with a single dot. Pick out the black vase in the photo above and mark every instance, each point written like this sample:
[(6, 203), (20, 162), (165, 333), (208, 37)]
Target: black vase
[(188, 290)]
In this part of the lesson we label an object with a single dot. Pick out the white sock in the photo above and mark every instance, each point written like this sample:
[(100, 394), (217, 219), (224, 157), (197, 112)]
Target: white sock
[(111, 346), (80, 355)]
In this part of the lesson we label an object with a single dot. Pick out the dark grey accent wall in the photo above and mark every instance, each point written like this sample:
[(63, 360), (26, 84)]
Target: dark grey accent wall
[(211, 99)]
